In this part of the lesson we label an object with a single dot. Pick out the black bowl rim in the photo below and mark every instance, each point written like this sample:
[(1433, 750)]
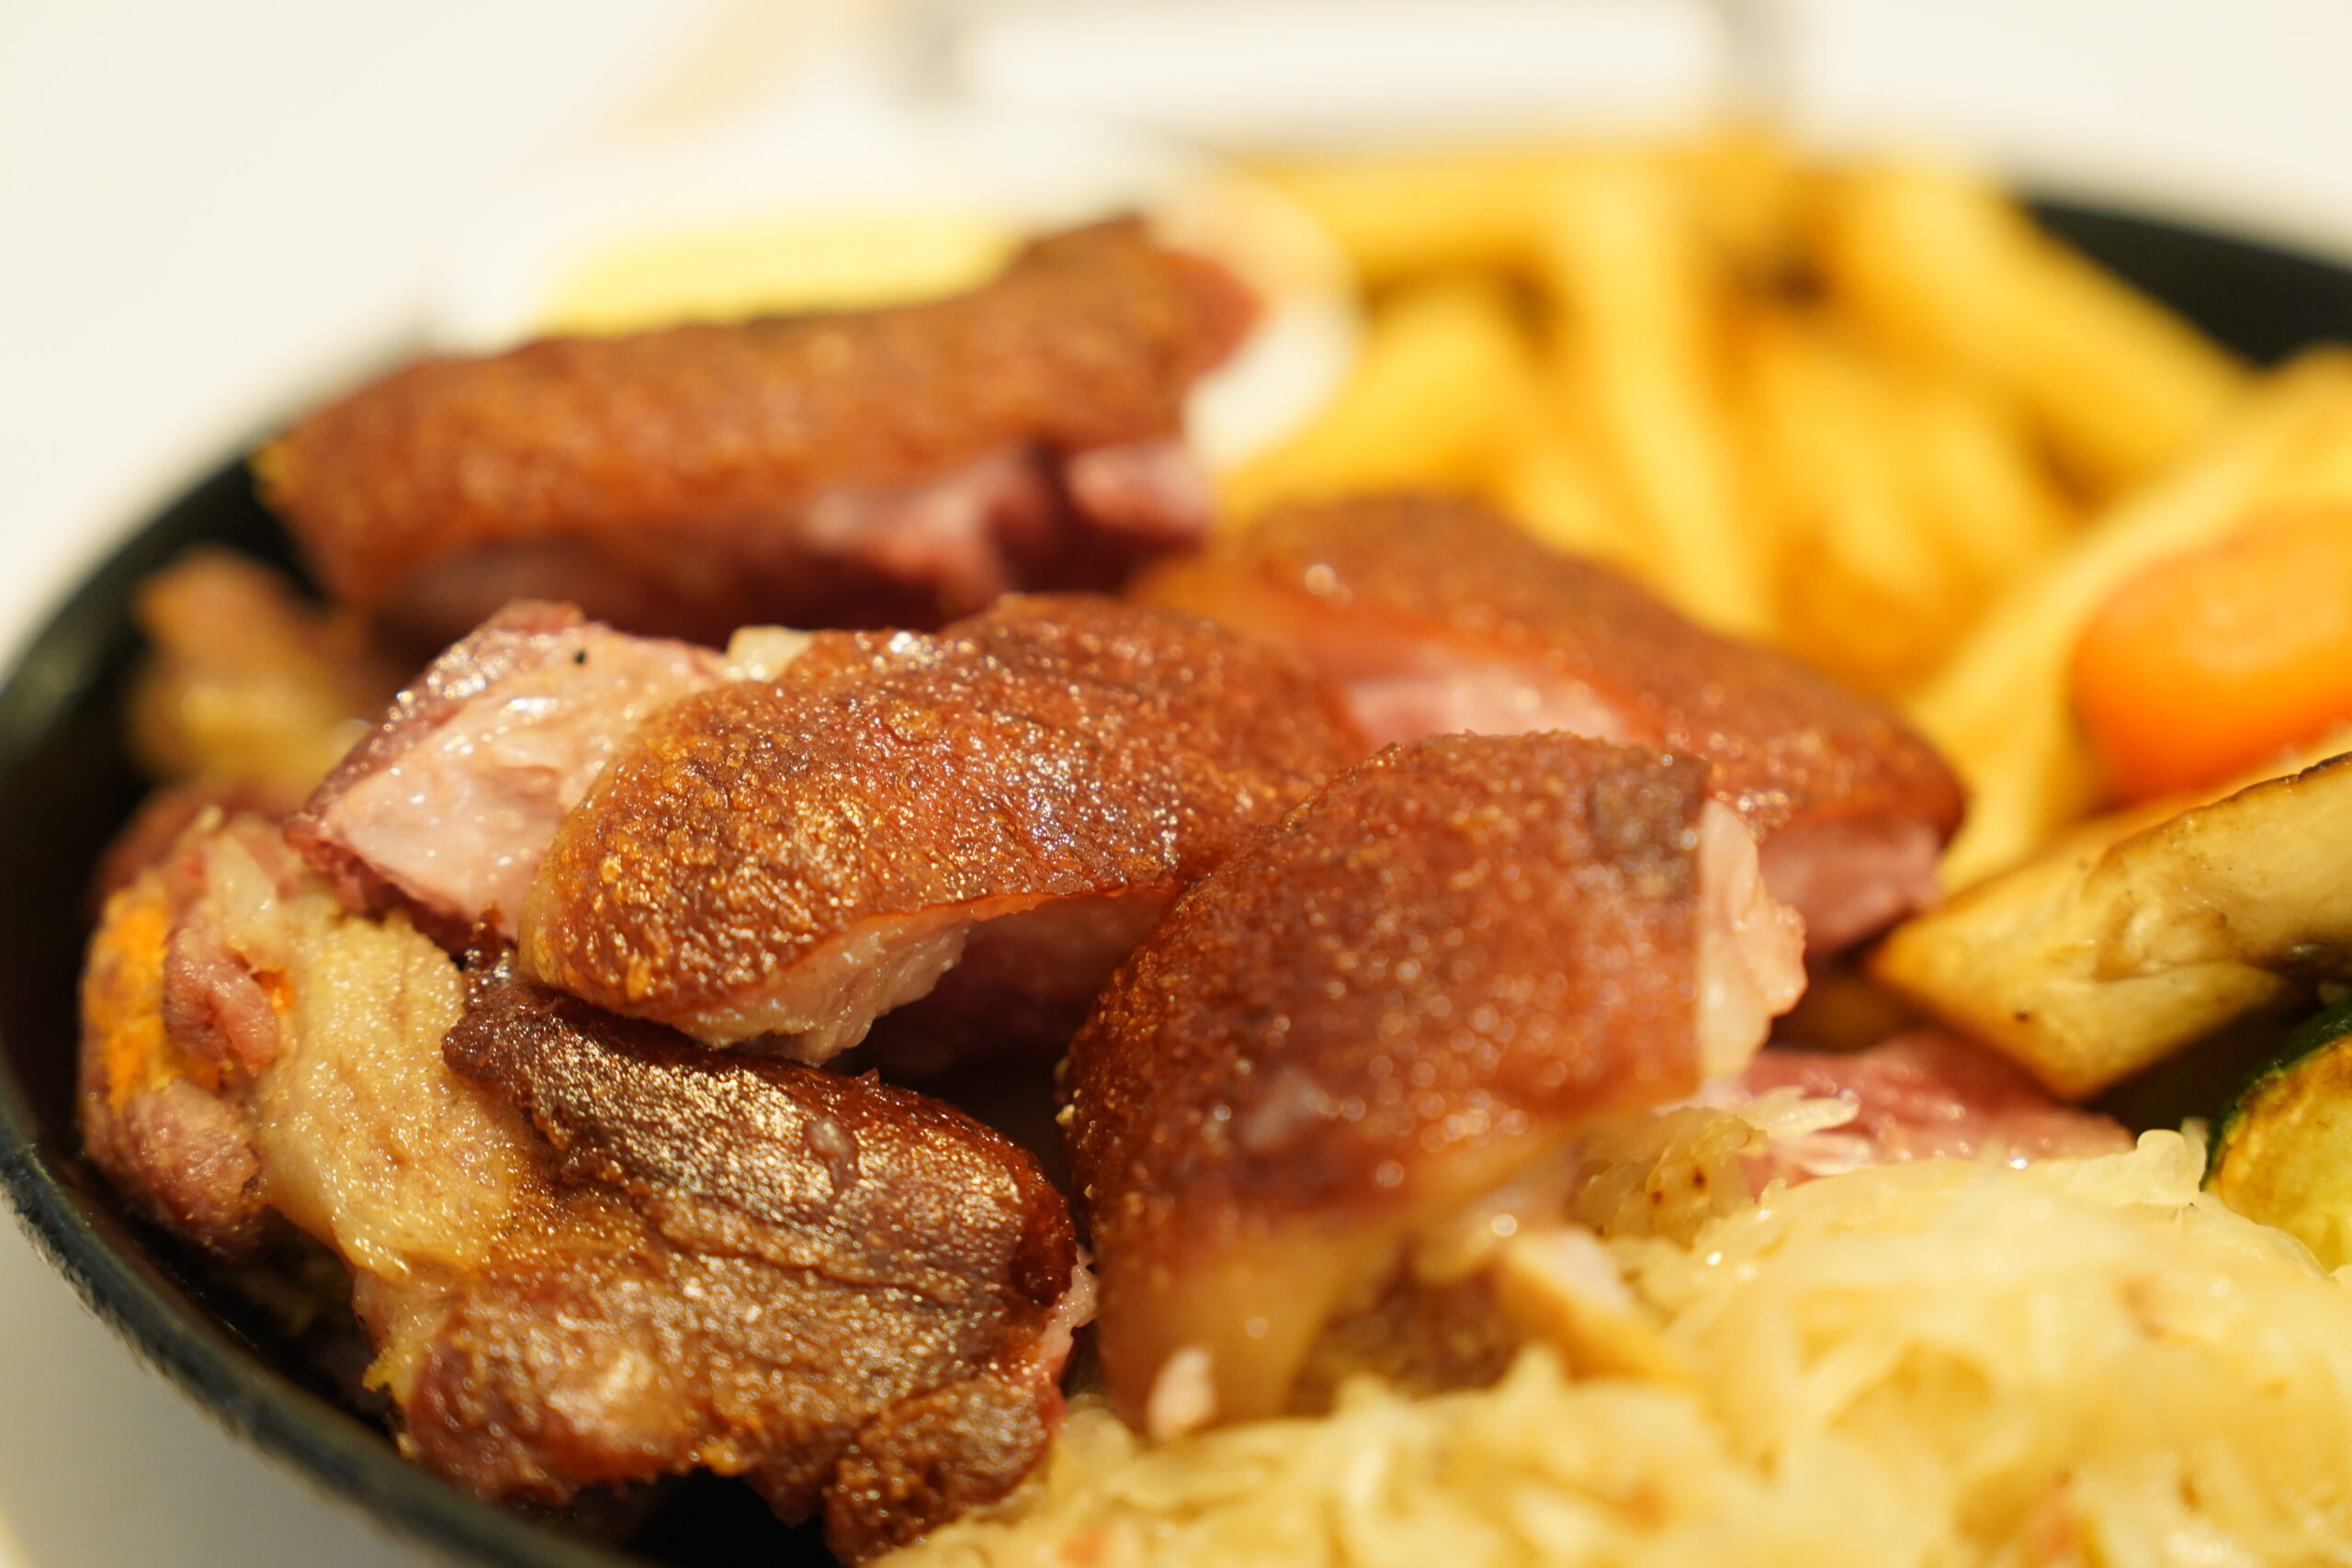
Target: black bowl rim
[(318, 1440)]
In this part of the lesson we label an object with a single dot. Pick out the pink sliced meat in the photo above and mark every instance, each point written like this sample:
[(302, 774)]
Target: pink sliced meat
[(1924, 1095), (446, 808)]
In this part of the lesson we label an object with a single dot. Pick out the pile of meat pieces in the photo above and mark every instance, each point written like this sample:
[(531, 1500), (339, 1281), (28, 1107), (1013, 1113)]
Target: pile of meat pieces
[(1363, 865), (588, 1248)]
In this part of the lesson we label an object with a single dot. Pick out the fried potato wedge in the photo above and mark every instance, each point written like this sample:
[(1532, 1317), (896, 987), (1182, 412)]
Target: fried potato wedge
[(2142, 933)]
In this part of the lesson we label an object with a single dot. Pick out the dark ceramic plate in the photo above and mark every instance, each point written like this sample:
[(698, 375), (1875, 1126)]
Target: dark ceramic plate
[(65, 784)]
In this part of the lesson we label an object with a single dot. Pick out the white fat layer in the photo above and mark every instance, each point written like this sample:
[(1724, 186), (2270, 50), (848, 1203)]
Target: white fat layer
[(1183, 1396), (1072, 1312), (1751, 947), (762, 653)]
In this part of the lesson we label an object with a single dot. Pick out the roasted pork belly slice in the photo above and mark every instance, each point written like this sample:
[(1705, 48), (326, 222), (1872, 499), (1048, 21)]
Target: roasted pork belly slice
[(784, 861), (444, 811), (598, 1255), (1422, 983), (1433, 616), (892, 467)]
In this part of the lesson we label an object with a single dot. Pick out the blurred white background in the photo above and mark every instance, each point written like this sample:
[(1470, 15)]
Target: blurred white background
[(210, 212)]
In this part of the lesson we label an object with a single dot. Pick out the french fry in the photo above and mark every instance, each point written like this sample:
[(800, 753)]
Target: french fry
[(1752, 195), (2000, 705), (1447, 383), (2025, 781), (1993, 507), (1404, 216), (1550, 485), (1953, 269), (2314, 470), (1869, 597), (1640, 297)]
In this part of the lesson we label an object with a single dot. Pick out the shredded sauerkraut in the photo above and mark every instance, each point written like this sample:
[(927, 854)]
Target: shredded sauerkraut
[(2086, 1361)]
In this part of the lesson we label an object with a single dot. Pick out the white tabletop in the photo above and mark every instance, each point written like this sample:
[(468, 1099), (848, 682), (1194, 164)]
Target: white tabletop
[(208, 211)]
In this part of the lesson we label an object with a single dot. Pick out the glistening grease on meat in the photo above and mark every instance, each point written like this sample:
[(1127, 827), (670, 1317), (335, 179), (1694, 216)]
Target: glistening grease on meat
[(598, 1255), (444, 811), (1423, 981), (1434, 615), (892, 467), (791, 859)]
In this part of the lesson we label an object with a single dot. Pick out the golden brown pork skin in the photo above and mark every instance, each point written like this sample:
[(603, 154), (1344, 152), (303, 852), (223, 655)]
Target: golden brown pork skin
[(586, 1251), (1422, 982), (790, 859), (892, 467), (1435, 616)]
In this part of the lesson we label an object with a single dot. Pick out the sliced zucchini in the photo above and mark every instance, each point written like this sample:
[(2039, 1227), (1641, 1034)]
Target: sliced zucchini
[(2283, 1151)]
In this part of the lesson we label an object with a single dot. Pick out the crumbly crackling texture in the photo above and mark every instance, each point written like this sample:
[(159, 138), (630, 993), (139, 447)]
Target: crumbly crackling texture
[(845, 1290), (1053, 748)]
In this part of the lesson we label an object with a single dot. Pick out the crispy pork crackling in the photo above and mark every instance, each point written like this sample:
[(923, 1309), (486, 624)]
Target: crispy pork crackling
[(892, 467), (1434, 615), (786, 860), (1422, 981), (586, 1251), (871, 1296)]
